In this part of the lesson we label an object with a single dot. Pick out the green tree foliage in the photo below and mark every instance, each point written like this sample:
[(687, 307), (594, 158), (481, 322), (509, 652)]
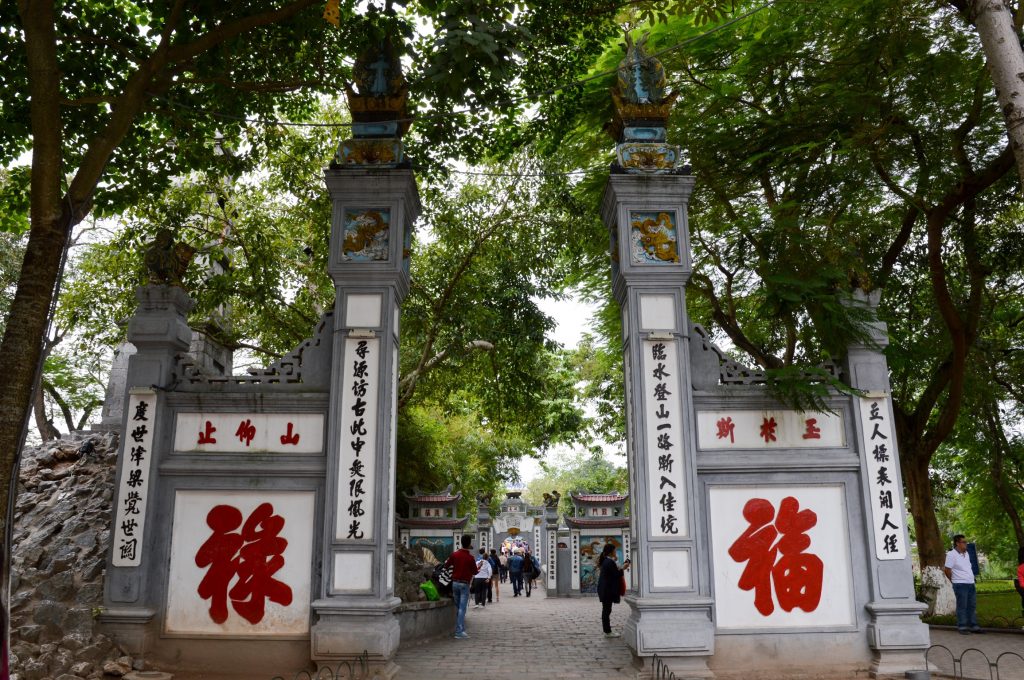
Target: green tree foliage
[(583, 471)]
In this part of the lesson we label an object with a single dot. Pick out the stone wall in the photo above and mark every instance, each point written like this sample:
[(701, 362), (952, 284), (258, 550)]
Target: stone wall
[(61, 538)]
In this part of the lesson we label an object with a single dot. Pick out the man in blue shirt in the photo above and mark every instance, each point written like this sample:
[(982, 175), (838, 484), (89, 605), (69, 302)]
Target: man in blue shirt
[(515, 571)]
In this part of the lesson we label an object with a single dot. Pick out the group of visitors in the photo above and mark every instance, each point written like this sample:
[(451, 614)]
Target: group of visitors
[(481, 576)]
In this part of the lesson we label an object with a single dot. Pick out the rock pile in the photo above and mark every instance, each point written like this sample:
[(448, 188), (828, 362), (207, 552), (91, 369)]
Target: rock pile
[(61, 538), (413, 566)]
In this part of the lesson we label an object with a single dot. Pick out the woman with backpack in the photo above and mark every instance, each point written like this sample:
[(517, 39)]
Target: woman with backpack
[(609, 586)]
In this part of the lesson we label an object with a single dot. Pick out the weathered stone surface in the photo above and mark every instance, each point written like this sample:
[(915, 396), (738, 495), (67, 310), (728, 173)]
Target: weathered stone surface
[(78, 621), (48, 614), (82, 668), (57, 587), (30, 633), (116, 668), (61, 538)]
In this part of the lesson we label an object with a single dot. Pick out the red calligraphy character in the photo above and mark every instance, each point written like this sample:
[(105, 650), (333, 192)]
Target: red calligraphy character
[(259, 560), (726, 428), (812, 431), (218, 553), (206, 437), (797, 575), (246, 431), (768, 426), (252, 556), (289, 438), (756, 547)]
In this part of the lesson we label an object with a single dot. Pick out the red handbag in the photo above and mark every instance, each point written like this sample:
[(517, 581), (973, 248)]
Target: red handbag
[(622, 583)]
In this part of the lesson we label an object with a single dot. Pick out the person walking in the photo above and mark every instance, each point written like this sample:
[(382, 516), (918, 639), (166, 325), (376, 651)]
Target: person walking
[(493, 590), (463, 570), (609, 586), (515, 571), (503, 565), (958, 570), (481, 581)]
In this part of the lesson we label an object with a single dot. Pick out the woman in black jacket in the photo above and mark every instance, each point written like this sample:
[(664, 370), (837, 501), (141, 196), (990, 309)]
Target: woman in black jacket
[(609, 586)]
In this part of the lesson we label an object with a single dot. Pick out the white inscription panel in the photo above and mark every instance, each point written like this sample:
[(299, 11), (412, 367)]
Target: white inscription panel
[(240, 563), (664, 436), (249, 432), (357, 459), (781, 556), (133, 492), (770, 429), (884, 494)]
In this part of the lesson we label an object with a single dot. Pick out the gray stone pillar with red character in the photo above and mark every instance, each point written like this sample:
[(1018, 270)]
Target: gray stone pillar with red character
[(374, 203)]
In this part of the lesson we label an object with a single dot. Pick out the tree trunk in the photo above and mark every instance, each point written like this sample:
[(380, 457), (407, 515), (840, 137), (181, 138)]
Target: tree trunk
[(997, 469), (931, 551), (994, 21), (43, 424)]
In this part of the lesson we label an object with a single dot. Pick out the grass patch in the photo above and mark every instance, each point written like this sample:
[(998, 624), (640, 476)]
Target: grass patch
[(996, 609)]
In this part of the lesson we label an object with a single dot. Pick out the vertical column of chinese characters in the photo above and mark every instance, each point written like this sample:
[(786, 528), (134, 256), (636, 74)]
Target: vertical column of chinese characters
[(357, 430), (881, 461), (133, 492), (664, 437)]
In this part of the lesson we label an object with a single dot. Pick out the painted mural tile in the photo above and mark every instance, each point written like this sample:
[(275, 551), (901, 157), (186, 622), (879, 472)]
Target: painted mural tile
[(653, 237), (366, 234)]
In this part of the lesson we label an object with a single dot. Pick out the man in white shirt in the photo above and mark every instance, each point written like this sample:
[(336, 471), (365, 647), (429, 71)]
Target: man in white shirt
[(958, 571)]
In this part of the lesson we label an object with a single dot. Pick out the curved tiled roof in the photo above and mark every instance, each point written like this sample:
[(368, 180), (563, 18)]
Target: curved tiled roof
[(599, 497), (597, 522), (434, 498)]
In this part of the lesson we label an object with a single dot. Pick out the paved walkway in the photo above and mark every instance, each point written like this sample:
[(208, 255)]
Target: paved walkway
[(534, 637), (525, 637), (974, 665)]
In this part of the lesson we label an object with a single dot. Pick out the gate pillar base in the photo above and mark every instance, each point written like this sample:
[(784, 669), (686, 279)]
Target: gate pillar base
[(897, 636), (682, 667), (364, 636), (679, 631)]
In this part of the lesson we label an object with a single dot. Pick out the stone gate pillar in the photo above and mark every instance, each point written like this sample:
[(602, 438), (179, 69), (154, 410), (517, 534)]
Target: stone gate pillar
[(896, 634), (374, 203), (645, 208), (159, 331)]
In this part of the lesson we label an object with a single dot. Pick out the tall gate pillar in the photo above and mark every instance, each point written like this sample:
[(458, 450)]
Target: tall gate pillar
[(671, 612), (896, 634), (374, 203), (645, 208)]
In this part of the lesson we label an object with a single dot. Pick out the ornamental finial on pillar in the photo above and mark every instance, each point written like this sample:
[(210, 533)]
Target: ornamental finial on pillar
[(378, 101), (642, 106)]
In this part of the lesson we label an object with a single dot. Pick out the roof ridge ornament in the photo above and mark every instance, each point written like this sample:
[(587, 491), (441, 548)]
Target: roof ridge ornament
[(642, 104)]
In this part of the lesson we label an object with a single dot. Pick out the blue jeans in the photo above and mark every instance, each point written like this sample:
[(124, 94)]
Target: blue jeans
[(517, 581), (966, 601), (460, 594)]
